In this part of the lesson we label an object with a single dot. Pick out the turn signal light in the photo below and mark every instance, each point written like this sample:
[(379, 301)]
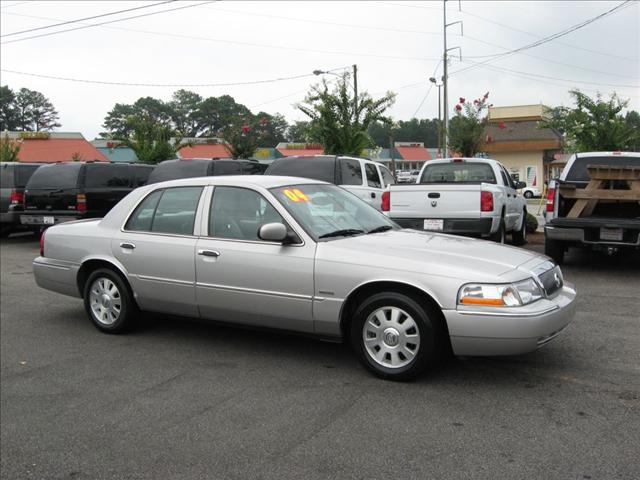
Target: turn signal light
[(486, 202), (386, 201), (481, 301), (551, 198), (81, 202)]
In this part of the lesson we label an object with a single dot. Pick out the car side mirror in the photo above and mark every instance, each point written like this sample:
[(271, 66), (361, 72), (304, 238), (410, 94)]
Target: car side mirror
[(273, 232), (520, 185)]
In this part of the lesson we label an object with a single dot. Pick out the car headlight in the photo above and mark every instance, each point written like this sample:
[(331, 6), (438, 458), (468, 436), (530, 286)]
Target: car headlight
[(507, 295)]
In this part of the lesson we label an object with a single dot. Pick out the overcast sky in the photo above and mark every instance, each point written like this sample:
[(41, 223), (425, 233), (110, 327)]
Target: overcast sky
[(396, 45)]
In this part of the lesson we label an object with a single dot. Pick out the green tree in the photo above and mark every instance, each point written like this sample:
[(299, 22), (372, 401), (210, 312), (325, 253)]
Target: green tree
[(184, 110), (272, 128), (595, 124), (336, 122), (299, 131), (9, 149), (34, 112), (466, 128), (150, 139), (119, 123), (8, 117)]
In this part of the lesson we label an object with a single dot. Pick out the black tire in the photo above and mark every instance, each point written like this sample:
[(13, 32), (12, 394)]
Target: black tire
[(519, 237), (500, 235), (423, 318), (528, 194), (128, 313), (554, 249)]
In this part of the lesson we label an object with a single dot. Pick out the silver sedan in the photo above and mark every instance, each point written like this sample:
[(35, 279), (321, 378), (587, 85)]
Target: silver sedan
[(309, 257)]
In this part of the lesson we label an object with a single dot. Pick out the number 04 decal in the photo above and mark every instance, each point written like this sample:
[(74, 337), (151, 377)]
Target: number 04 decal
[(295, 195)]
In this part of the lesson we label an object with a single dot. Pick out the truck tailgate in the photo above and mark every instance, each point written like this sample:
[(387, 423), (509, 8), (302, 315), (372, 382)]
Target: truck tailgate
[(435, 201)]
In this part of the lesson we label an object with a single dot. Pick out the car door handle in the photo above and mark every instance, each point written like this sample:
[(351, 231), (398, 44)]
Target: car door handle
[(209, 253), (373, 195), (128, 246)]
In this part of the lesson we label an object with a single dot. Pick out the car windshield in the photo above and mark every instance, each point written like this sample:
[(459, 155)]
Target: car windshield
[(329, 212)]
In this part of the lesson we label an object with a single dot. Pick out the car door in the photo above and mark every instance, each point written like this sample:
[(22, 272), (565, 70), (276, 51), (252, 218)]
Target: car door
[(242, 279), (511, 208), (157, 248), (373, 185)]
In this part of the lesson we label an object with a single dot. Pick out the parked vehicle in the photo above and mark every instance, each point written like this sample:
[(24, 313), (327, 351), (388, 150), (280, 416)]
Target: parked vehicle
[(13, 178), (365, 178), (594, 204), (310, 257), (468, 196), (204, 167), (530, 192), (405, 177), (61, 192)]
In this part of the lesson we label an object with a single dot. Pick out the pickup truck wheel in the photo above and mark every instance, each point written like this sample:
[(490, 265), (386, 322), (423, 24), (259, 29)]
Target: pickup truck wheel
[(500, 235), (519, 237), (394, 336), (555, 250), (108, 302), (528, 194)]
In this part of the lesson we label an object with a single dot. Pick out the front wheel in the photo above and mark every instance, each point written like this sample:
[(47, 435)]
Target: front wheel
[(528, 194), (394, 336), (108, 302)]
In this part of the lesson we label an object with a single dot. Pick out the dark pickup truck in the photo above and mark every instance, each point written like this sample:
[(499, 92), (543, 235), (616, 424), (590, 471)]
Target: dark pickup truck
[(594, 204)]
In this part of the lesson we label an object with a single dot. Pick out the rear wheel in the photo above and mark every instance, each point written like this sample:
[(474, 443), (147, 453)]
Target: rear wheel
[(519, 237), (394, 336), (528, 194), (108, 302), (554, 249)]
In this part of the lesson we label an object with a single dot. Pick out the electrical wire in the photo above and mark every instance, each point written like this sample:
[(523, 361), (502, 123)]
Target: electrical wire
[(106, 23), (428, 90), (85, 18), (173, 85)]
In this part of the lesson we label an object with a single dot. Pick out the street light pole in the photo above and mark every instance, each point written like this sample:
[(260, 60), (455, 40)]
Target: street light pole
[(435, 82), (445, 78)]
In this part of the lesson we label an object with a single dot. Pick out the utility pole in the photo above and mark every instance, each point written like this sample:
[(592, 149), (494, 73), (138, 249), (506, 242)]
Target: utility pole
[(438, 85), (445, 80), (355, 90)]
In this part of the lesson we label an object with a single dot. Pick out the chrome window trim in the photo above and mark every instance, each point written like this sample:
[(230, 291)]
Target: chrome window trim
[(291, 224), (162, 279)]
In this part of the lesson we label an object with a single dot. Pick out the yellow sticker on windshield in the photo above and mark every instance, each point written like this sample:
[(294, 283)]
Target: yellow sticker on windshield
[(295, 195)]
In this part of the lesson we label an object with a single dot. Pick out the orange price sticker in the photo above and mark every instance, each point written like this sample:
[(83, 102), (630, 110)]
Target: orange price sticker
[(295, 195)]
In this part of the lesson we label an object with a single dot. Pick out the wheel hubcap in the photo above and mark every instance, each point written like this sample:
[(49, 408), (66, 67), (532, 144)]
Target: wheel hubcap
[(105, 301), (391, 337)]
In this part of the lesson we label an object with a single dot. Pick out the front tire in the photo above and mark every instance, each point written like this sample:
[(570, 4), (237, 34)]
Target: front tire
[(528, 194), (394, 336), (108, 302)]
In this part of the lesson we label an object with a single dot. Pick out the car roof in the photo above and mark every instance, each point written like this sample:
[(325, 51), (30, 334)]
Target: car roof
[(264, 181)]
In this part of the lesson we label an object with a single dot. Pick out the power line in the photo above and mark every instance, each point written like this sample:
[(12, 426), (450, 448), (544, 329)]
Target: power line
[(428, 90), (4, 7), (136, 84), (549, 38), (106, 23), (85, 18)]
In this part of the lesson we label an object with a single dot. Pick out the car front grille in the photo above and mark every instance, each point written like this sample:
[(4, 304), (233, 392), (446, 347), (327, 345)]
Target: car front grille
[(551, 280)]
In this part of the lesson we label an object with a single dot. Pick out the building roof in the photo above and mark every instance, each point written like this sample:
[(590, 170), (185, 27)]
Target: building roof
[(292, 152), (413, 153), (43, 135), (526, 130), (50, 150), (204, 151)]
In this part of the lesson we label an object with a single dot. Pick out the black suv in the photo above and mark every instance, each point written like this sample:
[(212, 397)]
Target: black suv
[(204, 167), (60, 192), (13, 178)]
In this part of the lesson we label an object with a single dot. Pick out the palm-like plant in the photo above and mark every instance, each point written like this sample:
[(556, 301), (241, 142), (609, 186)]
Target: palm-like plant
[(340, 123)]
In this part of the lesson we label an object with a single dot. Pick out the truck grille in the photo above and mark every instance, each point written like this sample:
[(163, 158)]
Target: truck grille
[(551, 280)]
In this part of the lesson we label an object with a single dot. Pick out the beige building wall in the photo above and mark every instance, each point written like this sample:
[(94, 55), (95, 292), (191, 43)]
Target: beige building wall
[(529, 165), (518, 112)]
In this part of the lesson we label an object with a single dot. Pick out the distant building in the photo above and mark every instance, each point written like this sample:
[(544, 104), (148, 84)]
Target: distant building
[(114, 151), (51, 147), (292, 149), (516, 138)]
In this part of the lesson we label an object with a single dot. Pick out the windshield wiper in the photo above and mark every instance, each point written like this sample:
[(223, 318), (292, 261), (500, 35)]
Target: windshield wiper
[(342, 233), (381, 228)]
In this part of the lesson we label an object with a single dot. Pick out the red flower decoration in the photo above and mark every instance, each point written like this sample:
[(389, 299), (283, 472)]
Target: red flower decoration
[(264, 121), (486, 95), (245, 128), (476, 102), (461, 100), (502, 125), (458, 108)]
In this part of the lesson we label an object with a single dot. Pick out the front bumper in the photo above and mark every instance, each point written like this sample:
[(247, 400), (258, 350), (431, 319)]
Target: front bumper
[(460, 226), (510, 331)]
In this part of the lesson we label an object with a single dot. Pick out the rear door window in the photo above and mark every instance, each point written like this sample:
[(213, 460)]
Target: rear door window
[(351, 172), (458, 172), (373, 178), (316, 168), (176, 211), (142, 218), (56, 176), (106, 175), (23, 174)]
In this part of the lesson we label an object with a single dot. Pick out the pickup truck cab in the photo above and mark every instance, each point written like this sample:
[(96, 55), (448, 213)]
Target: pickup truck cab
[(467, 196), (609, 217), (364, 178)]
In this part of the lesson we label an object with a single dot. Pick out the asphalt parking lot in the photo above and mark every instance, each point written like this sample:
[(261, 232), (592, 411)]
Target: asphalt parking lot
[(177, 399)]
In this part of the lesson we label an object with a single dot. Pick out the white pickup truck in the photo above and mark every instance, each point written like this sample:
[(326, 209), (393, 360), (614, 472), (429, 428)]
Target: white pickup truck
[(467, 196)]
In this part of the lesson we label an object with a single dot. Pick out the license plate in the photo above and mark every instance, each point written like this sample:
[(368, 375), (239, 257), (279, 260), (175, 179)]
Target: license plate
[(48, 220), (612, 234), (436, 224)]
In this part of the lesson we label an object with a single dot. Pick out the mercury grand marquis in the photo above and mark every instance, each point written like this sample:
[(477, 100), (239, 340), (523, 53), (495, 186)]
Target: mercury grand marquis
[(309, 257)]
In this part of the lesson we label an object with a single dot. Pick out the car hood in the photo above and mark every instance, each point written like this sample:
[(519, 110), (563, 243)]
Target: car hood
[(434, 253)]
